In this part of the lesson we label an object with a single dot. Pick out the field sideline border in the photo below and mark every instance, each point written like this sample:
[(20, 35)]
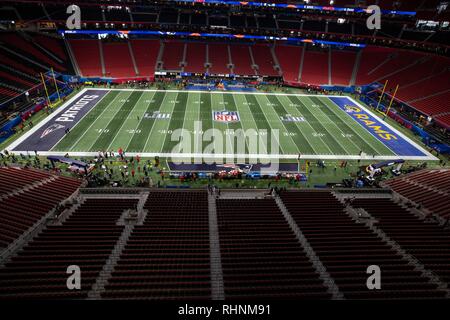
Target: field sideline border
[(428, 156), (44, 122), (400, 134)]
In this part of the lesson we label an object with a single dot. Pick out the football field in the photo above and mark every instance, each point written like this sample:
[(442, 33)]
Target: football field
[(272, 125)]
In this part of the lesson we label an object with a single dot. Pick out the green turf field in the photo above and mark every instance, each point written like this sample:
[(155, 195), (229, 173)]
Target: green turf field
[(144, 121)]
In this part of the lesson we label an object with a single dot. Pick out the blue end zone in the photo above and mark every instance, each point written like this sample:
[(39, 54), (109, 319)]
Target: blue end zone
[(48, 135), (377, 128)]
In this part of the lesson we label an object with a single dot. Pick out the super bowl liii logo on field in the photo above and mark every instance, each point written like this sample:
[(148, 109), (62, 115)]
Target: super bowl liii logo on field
[(226, 116)]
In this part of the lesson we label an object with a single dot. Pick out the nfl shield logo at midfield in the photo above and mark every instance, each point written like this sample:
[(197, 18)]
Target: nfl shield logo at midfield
[(226, 116)]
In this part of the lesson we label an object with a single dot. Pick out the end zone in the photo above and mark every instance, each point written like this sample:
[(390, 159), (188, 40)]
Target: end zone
[(51, 130)]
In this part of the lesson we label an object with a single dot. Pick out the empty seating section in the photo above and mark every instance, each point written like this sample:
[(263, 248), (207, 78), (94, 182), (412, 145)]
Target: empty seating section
[(430, 188), (118, 63), (346, 249), (18, 43), (261, 257), (443, 119), (315, 68), (14, 179), (425, 240), (15, 80), (145, 54), (86, 239), (240, 57), (264, 60), (6, 93), (195, 57), (19, 208), (423, 79), (15, 77), (168, 256), (425, 68), (342, 63), (437, 83), (371, 59), (218, 57), (172, 55), (87, 55), (289, 58), (437, 105), (51, 44), (17, 65), (394, 64)]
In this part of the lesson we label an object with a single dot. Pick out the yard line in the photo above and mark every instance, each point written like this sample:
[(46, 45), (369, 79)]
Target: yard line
[(182, 107), (166, 95), (176, 121), (79, 121), (309, 125), (130, 117), (141, 119), (212, 121), (100, 116), (296, 126), (207, 122), (333, 123), (156, 123), (112, 127), (197, 135), (242, 121), (330, 137), (249, 116), (223, 127), (263, 118), (189, 124), (226, 105), (145, 126), (280, 127), (235, 126)]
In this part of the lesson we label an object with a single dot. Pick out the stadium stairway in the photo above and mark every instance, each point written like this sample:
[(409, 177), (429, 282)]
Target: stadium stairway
[(261, 256), (145, 54), (347, 247), (425, 239), (87, 56), (241, 59), (428, 188), (118, 60), (86, 239), (22, 44), (128, 219), (175, 229), (195, 57), (217, 287), (264, 60), (315, 68), (26, 197), (219, 62), (191, 244), (172, 55)]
